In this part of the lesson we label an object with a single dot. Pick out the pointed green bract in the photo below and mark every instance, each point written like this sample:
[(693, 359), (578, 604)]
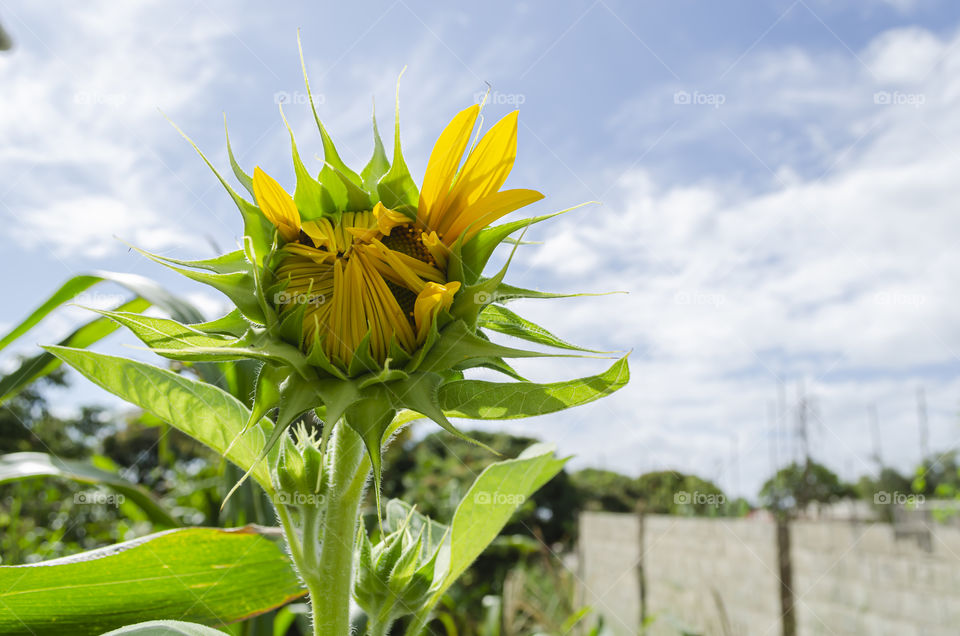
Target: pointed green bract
[(479, 249), (245, 180), (378, 165), (312, 199), (396, 188), (501, 319), (330, 154), (255, 225)]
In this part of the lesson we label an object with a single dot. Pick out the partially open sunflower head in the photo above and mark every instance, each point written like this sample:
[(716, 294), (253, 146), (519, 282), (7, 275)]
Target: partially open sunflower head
[(363, 295)]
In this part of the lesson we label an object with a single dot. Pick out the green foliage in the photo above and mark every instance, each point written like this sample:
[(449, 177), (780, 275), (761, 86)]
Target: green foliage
[(204, 575), (796, 486)]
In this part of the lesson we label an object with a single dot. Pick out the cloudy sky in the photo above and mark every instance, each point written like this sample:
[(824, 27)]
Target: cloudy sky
[(778, 183)]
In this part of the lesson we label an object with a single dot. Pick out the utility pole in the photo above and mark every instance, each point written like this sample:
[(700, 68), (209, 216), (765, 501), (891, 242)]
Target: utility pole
[(803, 407), (923, 428), (874, 421), (774, 433)]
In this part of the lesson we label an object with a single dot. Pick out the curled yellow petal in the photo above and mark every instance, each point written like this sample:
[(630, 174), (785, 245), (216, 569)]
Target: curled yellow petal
[(437, 249), (431, 301), (276, 204), (388, 219)]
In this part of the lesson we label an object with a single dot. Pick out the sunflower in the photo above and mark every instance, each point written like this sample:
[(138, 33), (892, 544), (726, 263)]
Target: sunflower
[(383, 273)]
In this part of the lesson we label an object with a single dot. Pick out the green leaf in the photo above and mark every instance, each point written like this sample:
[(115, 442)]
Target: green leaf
[(17, 466), (202, 411), (204, 575), (44, 363), (503, 320), (487, 507), (139, 285), (478, 399), (165, 628)]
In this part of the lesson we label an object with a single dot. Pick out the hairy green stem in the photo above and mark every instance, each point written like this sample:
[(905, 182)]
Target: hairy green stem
[(327, 566)]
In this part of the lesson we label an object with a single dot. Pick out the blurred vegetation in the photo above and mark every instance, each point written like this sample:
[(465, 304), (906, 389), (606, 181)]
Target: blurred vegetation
[(523, 584)]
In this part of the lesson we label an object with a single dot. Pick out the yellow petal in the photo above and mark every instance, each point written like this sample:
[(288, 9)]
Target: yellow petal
[(434, 298), (388, 219), (437, 249), (486, 211), (484, 171), (443, 163), (276, 204)]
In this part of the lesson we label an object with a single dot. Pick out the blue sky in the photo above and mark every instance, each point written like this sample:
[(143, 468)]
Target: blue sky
[(778, 187)]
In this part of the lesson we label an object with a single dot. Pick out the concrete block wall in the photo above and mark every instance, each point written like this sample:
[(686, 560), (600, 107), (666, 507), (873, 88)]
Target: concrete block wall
[(874, 578), (711, 578), (720, 576)]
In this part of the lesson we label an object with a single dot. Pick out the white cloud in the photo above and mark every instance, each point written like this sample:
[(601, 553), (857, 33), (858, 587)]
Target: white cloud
[(843, 282), (81, 153)]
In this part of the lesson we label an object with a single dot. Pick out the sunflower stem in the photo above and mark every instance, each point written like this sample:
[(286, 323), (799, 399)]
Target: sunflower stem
[(325, 559)]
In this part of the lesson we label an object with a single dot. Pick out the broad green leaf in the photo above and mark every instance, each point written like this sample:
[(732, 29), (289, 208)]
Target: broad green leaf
[(33, 368), (142, 287), (17, 466), (202, 411), (165, 628), (505, 321), (204, 575), (487, 507), (478, 399)]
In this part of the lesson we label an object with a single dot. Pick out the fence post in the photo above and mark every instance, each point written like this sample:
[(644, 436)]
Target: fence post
[(788, 616), (641, 579)]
